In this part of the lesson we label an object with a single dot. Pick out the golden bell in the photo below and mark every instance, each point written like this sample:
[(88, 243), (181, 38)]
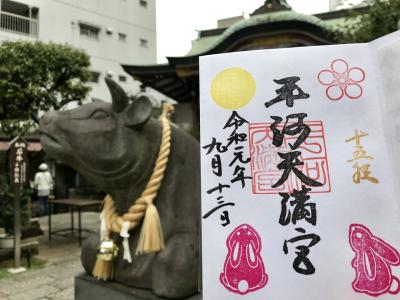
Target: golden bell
[(107, 250)]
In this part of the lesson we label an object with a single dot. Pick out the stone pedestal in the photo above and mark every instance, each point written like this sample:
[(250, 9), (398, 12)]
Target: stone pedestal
[(86, 287)]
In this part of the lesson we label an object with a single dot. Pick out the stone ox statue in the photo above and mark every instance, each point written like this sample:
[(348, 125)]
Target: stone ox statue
[(115, 146)]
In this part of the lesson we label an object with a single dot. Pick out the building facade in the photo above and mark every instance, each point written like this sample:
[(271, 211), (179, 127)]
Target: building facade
[(345, 4), (112, 32), (272, 25)]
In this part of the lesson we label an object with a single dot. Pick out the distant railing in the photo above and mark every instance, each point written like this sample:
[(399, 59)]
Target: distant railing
[(18, 24)]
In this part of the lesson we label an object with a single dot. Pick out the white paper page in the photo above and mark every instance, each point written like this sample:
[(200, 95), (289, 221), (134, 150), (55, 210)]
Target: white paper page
[(243, 238), (387, 54)]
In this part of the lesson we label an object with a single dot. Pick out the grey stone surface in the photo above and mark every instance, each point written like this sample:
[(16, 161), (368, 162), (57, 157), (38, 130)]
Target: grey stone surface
[(65, 294), (29, 284), (65, 283), (35, 293), (88, 288), (55, 281), (115, 147)]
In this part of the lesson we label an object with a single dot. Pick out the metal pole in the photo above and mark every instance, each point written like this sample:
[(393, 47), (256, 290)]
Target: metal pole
[(1, 15), (49, 218), (72, 220), (80, 226), (17, 227)]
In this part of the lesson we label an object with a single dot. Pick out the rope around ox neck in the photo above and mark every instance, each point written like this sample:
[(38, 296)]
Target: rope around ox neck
[(151, 237)]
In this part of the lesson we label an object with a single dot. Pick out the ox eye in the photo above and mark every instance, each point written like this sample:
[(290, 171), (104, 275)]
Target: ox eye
[(99, 114)]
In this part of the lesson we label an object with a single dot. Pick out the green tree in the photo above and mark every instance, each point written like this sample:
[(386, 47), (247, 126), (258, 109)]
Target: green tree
[(38, 76), (382, 17), (7, 197)]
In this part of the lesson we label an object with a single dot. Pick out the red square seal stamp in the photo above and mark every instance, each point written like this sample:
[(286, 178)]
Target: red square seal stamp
[(265, 158)]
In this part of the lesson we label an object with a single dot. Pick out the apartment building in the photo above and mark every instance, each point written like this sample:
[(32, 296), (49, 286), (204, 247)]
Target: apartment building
[(113, 32), (344, 4)]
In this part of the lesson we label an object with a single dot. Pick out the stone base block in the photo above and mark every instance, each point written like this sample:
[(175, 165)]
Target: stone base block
[(16, 270), (86, 287)]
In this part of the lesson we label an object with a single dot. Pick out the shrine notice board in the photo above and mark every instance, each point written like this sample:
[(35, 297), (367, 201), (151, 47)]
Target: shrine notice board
[(299, 152)]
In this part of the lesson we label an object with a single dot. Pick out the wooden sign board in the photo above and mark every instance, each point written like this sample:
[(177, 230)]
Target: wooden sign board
[(18, 161)]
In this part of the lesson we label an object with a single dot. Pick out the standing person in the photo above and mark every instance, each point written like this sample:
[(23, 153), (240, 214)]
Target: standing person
[(43, 184)]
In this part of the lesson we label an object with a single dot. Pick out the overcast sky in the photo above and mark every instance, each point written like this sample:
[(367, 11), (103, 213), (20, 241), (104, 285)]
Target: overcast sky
[(178, 20)]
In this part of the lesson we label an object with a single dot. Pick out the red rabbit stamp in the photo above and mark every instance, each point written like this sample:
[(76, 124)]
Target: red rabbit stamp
[(373, 262), (244, 270)]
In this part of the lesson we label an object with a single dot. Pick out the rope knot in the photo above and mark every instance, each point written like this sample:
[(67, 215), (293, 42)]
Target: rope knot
[(148, 200), (167, 108)]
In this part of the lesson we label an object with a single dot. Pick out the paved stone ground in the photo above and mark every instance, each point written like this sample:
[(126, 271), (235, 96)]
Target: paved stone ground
[(62, 254)]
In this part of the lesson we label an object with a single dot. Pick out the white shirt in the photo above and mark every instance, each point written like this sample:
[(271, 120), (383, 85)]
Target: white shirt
[(43, 183)]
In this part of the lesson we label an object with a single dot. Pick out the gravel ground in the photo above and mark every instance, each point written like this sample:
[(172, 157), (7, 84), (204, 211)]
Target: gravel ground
[(62, 256)]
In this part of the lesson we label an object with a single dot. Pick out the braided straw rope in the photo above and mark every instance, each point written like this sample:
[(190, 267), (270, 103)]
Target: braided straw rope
[(137, 211)]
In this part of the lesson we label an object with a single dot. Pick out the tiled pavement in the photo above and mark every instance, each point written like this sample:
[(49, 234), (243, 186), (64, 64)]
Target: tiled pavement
[(56, 279)]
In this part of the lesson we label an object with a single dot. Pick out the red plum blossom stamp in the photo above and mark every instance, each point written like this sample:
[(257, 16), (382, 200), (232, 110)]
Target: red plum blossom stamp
[(244, 270), (372, 263), (342, 80)]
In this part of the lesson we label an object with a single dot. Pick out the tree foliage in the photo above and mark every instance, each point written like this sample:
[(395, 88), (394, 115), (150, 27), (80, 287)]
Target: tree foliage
[(38, 76), (382, 17), (7, 197)]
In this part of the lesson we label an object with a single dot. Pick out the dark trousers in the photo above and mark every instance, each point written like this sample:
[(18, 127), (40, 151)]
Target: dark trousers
[(43, 205)]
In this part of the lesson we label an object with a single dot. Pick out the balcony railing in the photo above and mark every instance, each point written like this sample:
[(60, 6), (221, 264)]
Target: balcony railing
[(18, 24)]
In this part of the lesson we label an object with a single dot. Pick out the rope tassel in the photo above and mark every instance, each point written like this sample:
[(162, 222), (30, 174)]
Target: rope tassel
[(151, 236), (103, 270), (104, 267)]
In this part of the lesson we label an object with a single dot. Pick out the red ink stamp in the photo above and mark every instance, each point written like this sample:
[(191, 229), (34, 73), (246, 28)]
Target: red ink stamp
[(244, 270), (373, 261), (342, 80), (265, 158)]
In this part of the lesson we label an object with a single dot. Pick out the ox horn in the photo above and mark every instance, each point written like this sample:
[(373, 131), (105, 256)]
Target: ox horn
[(119, 98)]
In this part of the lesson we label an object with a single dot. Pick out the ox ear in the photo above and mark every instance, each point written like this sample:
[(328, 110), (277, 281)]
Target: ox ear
[(138, 112), (119, 98)]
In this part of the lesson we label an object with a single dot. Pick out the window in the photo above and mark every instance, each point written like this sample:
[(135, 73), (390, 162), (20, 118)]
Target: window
[(122, 78), (144, 43), (94, 76), (121, 37), (110, 74), (143, 3), (109, 31), (89, 31), (19, 18)]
